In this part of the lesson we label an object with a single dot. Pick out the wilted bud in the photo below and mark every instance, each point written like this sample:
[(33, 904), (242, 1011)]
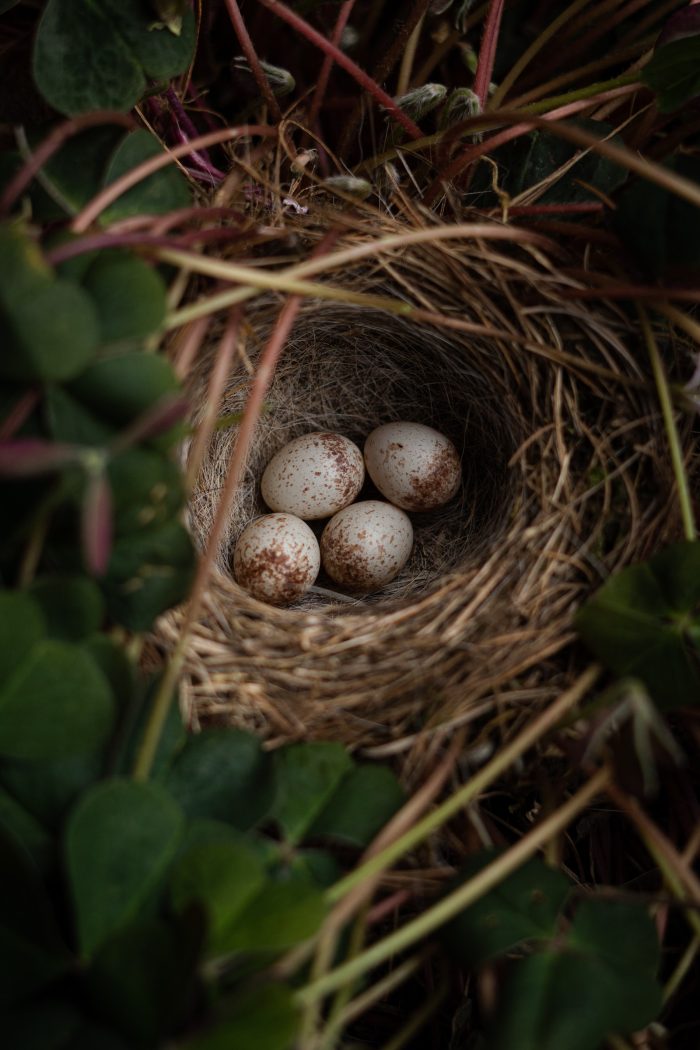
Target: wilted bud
[(359, 188), (421, 100), (280, 80), (462, 104), (303, 159)]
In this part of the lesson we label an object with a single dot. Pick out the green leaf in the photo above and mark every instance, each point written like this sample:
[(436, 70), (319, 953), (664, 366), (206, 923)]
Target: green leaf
[(49, 331), (221, 877), (644, 623), (21, 627), (265, 1017), (225, 775), (147, 489), (48, 789), (307, 777), (119, 841), (98, 55), (57, 703), (142, 980), (129, 296), (70, 422), (600, 983), (164, 191), (535, 157), (72, 176), (115, 665), (29, 936), (120, 387), (624, 940), (26, 830), (72, 606), (282, 914), (366, 799), (148, 573), (674, 73), (525, 907)]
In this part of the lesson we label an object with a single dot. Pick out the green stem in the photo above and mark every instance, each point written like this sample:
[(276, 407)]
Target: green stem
[(590, 91), (471, 790), (461, 898), (684, 964), (520, 64), (158, 715), (674, 441)]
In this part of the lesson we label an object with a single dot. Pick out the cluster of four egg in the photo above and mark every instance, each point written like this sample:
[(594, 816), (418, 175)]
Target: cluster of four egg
[(365, 544)]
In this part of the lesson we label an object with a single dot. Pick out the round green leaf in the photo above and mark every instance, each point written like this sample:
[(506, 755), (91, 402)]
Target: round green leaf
[(147, 490), (22, 625), (220, 876), (645, 623), (307, 777), (50, 332), (149, 573), (121, 387), (72, 606), (164, 191), (363, 803), (281, 915), (97, 55), (266, 1018), (57, 703), (120, 839), (223, 774), (129, 296)]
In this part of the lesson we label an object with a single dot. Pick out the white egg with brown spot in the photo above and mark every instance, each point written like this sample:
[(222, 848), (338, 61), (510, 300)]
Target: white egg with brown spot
[(413, 465), (314, 476), (277, 558), (366, 545)]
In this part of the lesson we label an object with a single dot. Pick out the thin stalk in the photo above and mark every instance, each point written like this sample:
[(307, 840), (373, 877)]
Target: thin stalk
[(487, 51), (53, 142), (379, 990), (324, 76), (253, 60), (346, 63), (580, 94), (419, 1018), (684, 964), (536, 46), (342, 997), (674, 441), (94, 208), (682, 187), (406, 67), (498, 765), (451, 905)]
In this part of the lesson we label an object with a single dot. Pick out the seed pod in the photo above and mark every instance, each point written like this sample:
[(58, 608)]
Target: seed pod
[(354, 187), (280, 80)]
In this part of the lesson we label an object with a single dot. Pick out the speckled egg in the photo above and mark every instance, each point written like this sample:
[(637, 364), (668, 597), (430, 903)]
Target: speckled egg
[(366, 545), (414, 466), (277, 558), (314, 476)]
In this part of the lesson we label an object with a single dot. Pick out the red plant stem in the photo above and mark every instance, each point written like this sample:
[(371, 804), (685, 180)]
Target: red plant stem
[(341, 59), (487, 52), (253, 60), (20, 411), (72, 249), (115, 190), (188, 341), (556, 209), (163, 223), (187, 131), (324, 75), (472, 153), (53, 142)]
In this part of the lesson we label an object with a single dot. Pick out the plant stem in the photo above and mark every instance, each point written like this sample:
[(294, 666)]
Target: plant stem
[(461, 898), (684, 964), (579, 94), (537, 44), (472, 789), (487, 51), (662, 387), (252, 58)]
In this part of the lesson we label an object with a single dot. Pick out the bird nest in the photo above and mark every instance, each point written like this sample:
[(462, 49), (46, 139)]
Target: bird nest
[(547, 400)]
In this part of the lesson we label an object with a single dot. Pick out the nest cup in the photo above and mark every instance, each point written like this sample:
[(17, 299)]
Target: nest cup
[(556, 425)]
